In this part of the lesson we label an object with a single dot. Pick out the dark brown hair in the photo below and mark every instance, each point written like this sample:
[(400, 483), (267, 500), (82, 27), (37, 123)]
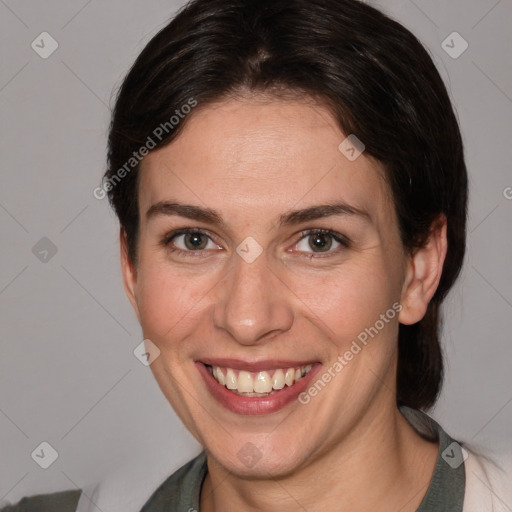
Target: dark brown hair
[(372, 73)]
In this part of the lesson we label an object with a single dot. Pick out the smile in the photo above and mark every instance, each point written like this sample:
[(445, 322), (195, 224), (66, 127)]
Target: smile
[(251, 389), (258, 384)]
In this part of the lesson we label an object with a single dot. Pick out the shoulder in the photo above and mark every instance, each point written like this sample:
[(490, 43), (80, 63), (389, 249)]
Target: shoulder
[(488, 479), (181, 490), (65, 501), (488, 473), (133, 486)]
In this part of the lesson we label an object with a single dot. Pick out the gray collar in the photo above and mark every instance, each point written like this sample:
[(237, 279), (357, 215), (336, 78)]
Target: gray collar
[(448, 483), (181, 491)]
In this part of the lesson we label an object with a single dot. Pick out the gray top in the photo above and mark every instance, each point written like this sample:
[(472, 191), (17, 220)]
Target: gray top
[(181, 491), (66, 501)]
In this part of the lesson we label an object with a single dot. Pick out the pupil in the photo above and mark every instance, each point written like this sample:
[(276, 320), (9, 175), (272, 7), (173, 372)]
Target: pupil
[(320, 241), (193, 241)]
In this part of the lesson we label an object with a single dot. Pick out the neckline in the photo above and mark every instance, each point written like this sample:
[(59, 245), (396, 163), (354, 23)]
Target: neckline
[(447, 485), (445, 491)]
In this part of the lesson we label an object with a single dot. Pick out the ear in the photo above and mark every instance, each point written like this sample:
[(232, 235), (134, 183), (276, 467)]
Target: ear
[(129, 272), (423, 273)]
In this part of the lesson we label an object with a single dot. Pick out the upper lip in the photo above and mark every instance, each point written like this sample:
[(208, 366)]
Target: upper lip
[(254, 366)]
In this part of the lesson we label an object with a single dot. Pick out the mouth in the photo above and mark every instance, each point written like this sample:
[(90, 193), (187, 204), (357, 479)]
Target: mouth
[(256, 388), (263, 383)]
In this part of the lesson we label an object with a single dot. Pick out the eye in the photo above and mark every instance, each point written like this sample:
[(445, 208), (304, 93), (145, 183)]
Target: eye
[(189, 240), (321, 241)]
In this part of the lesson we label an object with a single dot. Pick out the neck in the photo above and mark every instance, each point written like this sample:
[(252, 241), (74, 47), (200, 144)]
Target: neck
[(387, 466)]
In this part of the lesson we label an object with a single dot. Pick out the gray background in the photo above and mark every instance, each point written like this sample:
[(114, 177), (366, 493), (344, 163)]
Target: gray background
[(67, 370)]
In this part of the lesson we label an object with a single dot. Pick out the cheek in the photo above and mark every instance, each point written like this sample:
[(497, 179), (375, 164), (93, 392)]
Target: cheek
[(168, 301), (347, 302)]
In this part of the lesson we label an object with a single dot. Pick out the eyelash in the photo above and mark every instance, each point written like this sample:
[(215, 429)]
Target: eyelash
[(341, 239)]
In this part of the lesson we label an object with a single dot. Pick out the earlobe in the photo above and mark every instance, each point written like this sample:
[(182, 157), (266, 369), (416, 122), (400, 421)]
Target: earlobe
[(128, 272), (423, 273)]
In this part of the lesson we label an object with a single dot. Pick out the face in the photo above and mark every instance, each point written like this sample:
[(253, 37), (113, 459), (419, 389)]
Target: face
[(291, 255)]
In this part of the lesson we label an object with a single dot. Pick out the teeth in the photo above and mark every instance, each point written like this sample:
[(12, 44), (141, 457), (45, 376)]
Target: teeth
[(245, 382), (219, 376), (258, 384), (231, 380), (278, 379), (262, 383)]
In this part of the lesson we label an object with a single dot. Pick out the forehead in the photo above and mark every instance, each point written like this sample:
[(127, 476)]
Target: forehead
[(263, 156)]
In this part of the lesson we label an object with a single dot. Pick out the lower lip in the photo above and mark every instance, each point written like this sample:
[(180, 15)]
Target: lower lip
[(256, 404)]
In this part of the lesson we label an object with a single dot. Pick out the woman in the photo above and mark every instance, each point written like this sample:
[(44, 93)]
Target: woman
[(291, 188)]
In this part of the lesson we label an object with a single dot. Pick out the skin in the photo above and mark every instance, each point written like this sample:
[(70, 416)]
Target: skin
[(252, 159)]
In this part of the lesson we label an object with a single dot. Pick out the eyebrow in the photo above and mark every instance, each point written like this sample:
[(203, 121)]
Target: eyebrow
[(290, 218), (324, 210)]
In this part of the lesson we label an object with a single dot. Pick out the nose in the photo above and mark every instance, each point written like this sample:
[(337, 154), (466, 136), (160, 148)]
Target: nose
[(253, 303)]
